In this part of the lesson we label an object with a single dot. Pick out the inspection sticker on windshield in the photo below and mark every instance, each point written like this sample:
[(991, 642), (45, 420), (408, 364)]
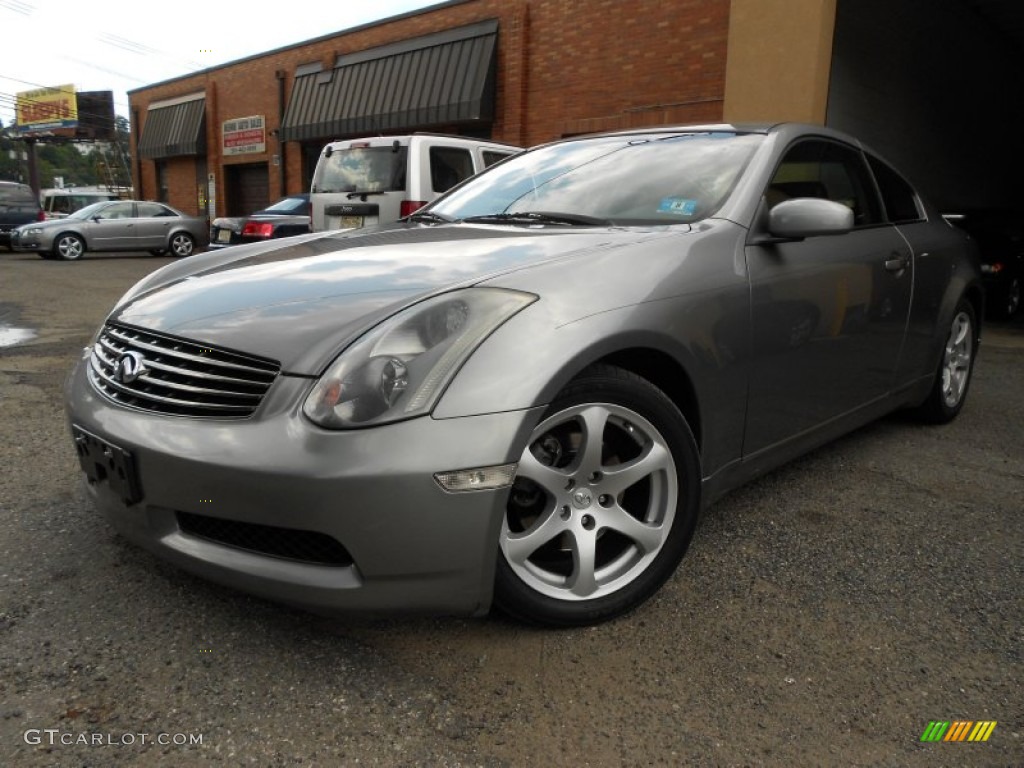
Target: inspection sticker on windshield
[(678, 205)]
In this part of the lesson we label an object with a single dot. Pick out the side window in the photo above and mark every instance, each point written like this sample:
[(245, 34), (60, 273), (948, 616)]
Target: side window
[(149, 210), (491, 157), (830, 171), (118, 211), (449, 166), (897, 195)]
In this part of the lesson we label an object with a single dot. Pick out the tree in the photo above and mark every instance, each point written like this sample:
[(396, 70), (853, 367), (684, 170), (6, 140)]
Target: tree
[(12, 168)]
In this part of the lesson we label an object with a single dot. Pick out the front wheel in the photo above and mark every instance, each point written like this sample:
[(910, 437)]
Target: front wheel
[(182, 244), (69, 246), (949, 391), (603, 505)]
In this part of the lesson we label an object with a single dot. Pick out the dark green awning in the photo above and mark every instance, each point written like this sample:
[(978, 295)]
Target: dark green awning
[(438, 79), (174, 129)]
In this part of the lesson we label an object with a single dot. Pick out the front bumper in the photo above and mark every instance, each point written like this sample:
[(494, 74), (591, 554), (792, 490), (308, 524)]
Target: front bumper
[(413, 546), (19, 242)]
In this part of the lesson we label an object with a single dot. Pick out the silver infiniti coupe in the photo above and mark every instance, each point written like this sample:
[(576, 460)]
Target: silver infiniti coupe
[(525, 393)]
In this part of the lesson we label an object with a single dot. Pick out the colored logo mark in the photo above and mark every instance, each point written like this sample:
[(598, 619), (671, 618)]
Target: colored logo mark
[(958, 730)]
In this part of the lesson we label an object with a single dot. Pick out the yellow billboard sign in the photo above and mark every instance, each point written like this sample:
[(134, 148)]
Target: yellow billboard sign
[(45, 109)]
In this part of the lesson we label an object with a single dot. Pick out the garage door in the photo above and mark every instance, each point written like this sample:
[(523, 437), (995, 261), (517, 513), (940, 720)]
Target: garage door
[(248, 188)]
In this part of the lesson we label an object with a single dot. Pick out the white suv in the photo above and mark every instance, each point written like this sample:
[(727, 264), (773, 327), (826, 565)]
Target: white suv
[(359, 182)]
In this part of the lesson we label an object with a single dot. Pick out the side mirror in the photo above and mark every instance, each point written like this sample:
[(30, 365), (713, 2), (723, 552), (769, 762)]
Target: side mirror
[(809, 217)]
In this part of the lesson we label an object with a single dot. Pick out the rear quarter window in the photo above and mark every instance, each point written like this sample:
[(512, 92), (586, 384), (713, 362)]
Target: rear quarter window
[(490, 157), (449, 166)]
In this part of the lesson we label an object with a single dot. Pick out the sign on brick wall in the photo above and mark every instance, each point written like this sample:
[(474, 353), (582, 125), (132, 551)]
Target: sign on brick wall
[(244, 135)]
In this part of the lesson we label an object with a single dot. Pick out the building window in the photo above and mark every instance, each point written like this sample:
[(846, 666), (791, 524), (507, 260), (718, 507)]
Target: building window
[(162, 191)]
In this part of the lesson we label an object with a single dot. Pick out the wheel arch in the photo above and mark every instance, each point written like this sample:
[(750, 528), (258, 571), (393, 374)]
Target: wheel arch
[(667, 374), (79, 235)]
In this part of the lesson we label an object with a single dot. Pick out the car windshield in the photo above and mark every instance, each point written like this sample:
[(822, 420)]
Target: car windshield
[(288, 205), (362, 169), (89, 210), (659, 179)]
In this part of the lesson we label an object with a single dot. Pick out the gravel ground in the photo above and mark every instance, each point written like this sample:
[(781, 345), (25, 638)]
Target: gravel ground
[(824, 615)]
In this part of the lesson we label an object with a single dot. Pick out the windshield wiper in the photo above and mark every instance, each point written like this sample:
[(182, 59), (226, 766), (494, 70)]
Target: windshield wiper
[(540, 217), (429, 216), (363, 193)]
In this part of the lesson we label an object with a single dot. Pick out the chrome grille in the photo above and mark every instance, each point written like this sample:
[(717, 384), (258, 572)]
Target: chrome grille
[(154, 372)]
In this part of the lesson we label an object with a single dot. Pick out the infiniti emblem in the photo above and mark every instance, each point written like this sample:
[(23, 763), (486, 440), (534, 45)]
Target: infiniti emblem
[(129, 367)]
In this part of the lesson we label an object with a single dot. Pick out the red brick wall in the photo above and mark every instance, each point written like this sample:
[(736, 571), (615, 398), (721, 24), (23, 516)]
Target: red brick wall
[(564, 67)]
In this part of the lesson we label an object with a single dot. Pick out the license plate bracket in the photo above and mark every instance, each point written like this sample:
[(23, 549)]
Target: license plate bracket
[(102, 461)]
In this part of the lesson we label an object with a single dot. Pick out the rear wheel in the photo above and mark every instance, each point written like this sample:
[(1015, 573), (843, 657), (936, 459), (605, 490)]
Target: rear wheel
[(603, 505), (69, 246), (949, 391), (181, 244)]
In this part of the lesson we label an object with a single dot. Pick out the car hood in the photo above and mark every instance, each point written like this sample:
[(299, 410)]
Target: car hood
[(301, 302), (65, 222)]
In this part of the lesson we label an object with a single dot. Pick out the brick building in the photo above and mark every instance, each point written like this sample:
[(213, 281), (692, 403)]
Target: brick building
[(229, 139)]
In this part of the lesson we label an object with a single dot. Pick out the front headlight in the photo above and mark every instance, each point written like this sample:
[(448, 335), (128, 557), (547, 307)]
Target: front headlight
[(31, 231), (400, 368)]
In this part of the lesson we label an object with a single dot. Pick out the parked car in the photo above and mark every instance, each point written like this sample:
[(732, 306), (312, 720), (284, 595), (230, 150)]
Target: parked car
[(361, 182), (18, 205), (288, 216), (122, 225), (1000, 237), (524, 393)]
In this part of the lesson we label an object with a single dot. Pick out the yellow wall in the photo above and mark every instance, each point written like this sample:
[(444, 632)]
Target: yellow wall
[(780, 55)]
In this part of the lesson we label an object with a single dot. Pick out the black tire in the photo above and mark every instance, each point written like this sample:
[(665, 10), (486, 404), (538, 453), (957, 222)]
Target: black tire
[(181, 244), (953, 376), (68, 246), (570, 505)]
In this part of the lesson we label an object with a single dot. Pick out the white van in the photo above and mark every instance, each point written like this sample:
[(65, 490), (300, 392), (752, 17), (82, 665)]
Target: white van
[(359, 182), (58, 203)]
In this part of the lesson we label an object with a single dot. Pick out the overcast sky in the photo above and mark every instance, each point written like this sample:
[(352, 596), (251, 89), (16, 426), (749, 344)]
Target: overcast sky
[(120, 45)]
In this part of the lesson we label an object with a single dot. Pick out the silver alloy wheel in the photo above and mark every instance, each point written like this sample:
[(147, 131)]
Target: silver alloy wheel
[(607, 499), (956, 360), (70, 247), (181, 244)]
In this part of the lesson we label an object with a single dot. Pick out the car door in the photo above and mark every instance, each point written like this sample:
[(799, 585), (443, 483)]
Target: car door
[(153, 225), (828, 313), (112, 228)]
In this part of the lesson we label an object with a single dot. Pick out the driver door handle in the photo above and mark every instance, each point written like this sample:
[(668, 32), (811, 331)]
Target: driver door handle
[(897, 263)]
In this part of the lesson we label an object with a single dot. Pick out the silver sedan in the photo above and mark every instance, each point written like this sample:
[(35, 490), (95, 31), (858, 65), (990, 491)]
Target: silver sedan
[(120, 225), (525, 393)]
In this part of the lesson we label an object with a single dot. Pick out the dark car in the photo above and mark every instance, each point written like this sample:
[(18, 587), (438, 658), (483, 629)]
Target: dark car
[(288, 216), (524, 393), (1000, 238), (119, 225), (18, 205)]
